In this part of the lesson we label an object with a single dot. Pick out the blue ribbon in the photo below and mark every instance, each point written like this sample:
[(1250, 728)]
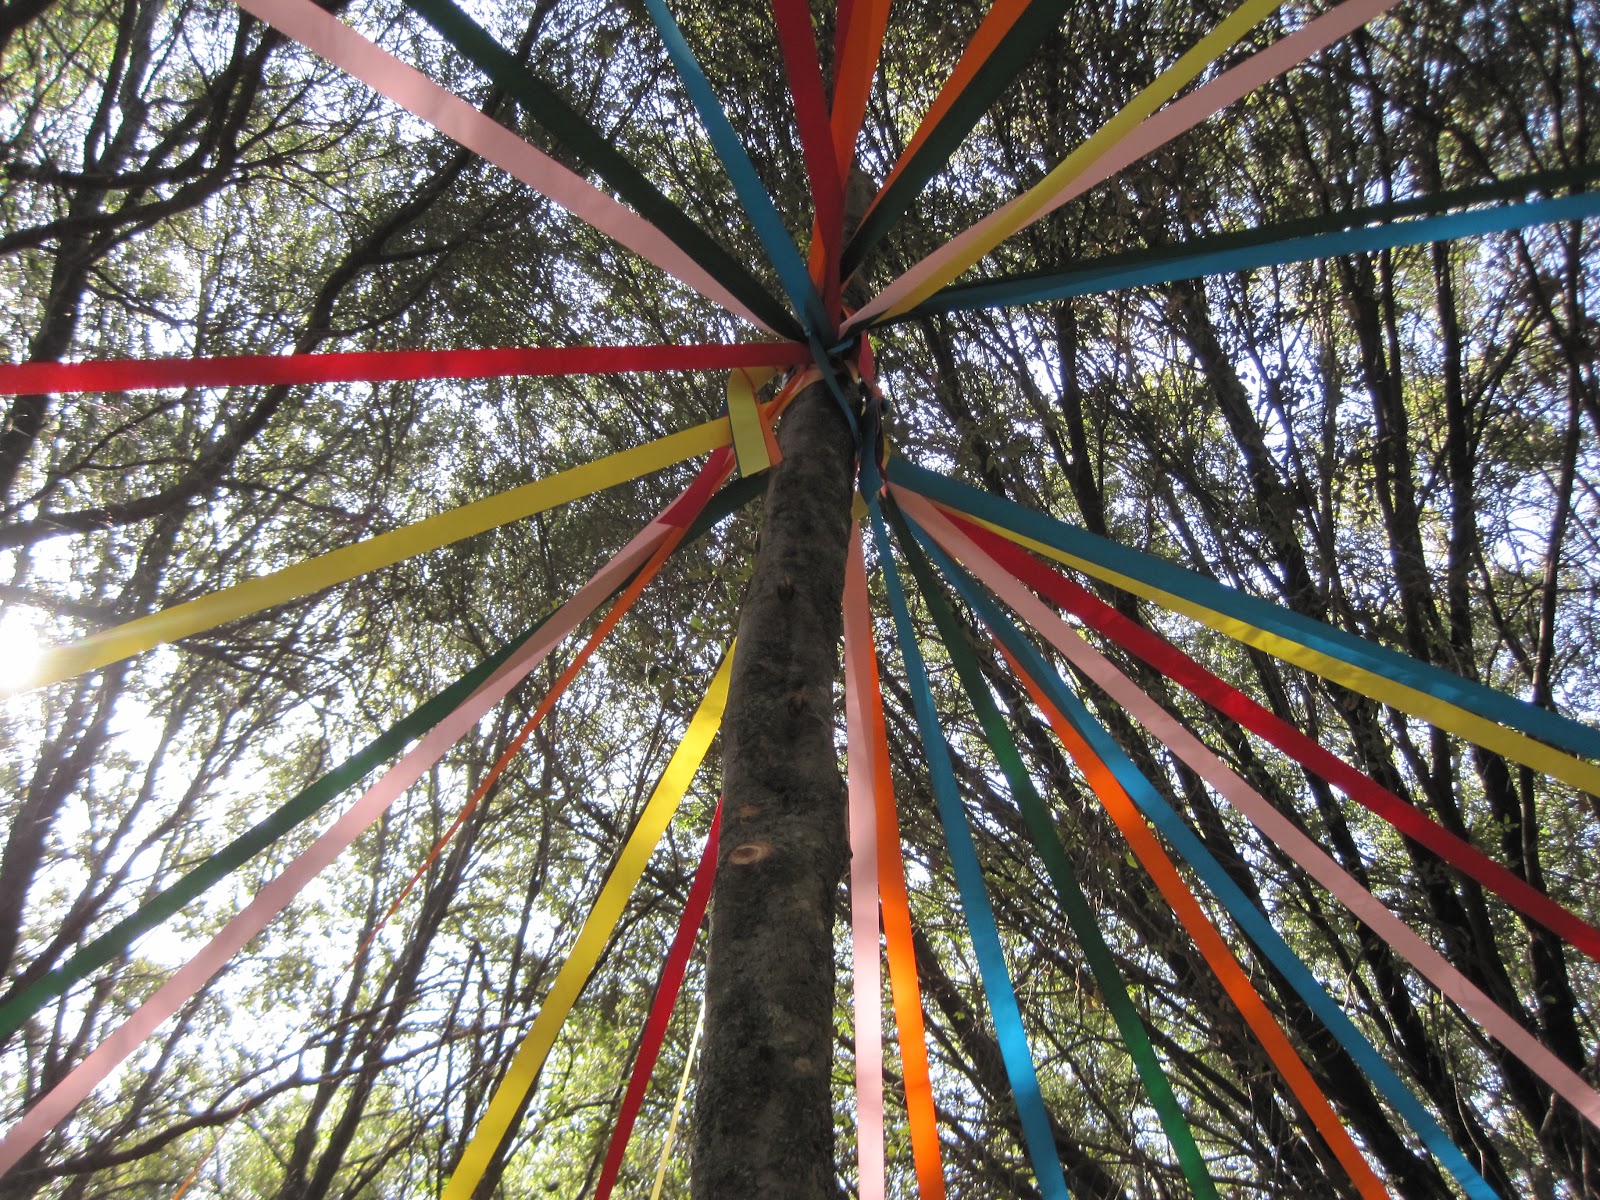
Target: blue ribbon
[(1346, 647), (997, 987), (792, 272), (1244, 913), (1189, 264)]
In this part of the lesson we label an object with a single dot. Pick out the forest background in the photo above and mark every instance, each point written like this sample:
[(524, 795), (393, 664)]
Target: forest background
[(1404, 444)]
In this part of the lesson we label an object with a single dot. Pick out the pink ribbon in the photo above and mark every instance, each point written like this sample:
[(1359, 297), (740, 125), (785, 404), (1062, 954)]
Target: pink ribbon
[(326, 35), (1288, 836), (868, 980)]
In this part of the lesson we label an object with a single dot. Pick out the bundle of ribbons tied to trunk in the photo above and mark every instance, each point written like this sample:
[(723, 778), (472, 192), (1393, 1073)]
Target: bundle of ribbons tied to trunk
[(1001, 562)]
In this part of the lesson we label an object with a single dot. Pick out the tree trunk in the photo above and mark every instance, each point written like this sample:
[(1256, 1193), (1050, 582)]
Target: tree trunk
[(763, 1105)]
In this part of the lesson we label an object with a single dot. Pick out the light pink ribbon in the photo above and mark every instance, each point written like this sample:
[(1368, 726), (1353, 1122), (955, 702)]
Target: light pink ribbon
[(1150, 134), (868, 980), (1277, 827), (59, 1102), (324, 34)]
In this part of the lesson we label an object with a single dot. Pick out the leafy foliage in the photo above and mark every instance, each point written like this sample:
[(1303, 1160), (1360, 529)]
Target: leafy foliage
[(1403, 444)]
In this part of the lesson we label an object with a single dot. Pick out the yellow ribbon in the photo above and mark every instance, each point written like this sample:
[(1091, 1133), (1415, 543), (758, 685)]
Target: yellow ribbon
[(753, 442), (592, 938), (677, 1105), (1166, 85), (337, 566), (1447, 716)]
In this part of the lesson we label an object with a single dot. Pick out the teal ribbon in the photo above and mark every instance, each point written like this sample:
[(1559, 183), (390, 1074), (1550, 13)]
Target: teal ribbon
[(1244, 913), (1565, 732), (747, 185), (1015, 1053), (1042, 830), (1351, 233), (28, 997), (545, 105), (1020, 43)]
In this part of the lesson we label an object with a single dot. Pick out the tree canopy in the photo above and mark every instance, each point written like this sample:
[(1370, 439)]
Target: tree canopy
[(1400, 442)]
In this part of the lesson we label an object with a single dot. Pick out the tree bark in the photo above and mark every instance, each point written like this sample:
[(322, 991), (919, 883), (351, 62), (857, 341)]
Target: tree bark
[(763, 1104)]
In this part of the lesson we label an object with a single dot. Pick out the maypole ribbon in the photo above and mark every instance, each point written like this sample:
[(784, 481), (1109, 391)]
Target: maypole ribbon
[(747, 185), (1047, 842), (1278, 828), (1092, 276), (1015, 1054), (1478, 713), (869, 752), (1010, 34), (59, 1102), (1244, 913), (866, 978), (858, 45), (572, 130), (27, 997), (325, 35), (597, 929), (386, 366), (1183, 670), (337, 566), (1209, 941), (798, 42), (194, 1171), (33, 990), (1245, 252), (660, 1016), (1128, 136), (711, 475)]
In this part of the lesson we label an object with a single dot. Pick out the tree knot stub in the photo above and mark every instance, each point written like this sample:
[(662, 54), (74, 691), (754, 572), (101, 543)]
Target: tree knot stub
[(750, 852), (786, 588), (797, 703)]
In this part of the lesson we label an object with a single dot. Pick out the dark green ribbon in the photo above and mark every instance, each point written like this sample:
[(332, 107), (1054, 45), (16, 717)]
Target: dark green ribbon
[(1246, 915)]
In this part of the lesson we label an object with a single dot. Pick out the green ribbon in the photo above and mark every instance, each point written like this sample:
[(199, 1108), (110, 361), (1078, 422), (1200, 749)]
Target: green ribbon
[(1080, 915), (568, 127)]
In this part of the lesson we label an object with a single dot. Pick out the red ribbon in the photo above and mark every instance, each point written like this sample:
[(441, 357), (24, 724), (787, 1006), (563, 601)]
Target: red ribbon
[(1182, 669), (798, 41), (655, 1026), (117, 375)]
